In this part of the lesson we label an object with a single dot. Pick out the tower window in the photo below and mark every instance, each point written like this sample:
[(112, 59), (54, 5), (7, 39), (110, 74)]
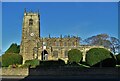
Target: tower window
[(30, 22)]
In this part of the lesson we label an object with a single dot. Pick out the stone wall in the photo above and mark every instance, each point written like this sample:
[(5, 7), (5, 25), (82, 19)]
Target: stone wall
[(75, 71), (15, 71), (62, 71)]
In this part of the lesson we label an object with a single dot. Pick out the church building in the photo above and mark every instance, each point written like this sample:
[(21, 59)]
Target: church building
[(33, 46)]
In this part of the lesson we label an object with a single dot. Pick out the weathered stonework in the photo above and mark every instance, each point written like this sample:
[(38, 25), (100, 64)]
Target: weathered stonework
[(34, 47), (15, 71)]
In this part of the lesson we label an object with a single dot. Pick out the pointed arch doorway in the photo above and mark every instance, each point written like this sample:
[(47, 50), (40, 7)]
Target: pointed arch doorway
[(44, 55)]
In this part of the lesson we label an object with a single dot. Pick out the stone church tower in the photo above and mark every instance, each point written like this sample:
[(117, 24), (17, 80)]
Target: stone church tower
[(30, 35)]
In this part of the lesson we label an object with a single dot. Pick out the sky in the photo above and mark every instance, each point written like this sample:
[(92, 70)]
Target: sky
[(0, 28), (59, 0), (83, 19)]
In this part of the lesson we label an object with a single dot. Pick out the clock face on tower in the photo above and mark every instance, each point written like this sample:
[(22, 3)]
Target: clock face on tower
[(32, 34)]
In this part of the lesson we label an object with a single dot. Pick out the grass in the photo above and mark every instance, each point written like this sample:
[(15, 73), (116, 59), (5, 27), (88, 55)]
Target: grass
[(118, 66), (84, 66)]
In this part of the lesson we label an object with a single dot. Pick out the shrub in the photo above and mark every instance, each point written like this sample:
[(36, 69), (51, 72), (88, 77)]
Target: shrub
[(61, 62), (74, 55), (32, 63), (52, 63), (14, 48), (73, 64), (11, 59), (100, 57), (118, 59), (0, 58)]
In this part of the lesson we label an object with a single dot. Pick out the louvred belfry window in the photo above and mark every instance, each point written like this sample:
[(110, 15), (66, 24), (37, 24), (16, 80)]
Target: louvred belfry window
[(30, 22)]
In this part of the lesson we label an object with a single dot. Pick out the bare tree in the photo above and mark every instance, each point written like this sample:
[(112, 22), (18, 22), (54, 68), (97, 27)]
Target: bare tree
[(104, 40), (115, 44), (101, 39)]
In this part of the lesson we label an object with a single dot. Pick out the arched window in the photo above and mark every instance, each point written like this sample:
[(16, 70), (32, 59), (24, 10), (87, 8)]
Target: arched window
[(39, 44), (66, 54), (72, 43), (57, 43), (65, 43), (55, 54), (30, 22), (35, 52), (69, 43)]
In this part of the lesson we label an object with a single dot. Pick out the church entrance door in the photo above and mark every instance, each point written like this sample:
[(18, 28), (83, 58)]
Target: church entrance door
[(44, 55)]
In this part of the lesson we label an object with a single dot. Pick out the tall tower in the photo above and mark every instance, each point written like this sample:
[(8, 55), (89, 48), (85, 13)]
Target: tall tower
[(30, 36)]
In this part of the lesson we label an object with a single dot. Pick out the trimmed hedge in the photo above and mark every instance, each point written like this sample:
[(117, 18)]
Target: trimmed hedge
[(32, 63), (14, 48), (52, 63), (74, 55), (100, 57), (0, 58), (118, 59), (11, 59)]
